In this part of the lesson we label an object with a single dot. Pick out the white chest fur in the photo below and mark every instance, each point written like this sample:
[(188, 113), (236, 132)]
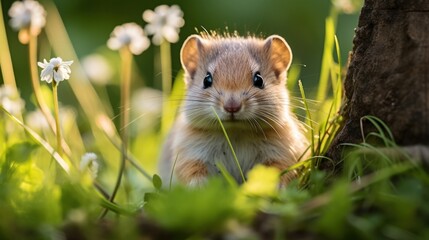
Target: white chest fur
[(213, 149)]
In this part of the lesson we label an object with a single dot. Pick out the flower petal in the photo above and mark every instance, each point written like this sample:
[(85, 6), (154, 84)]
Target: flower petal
[(148, 15), (68, 63), (58, 77), (28, 15), (170, 34), (164, 23), (114, 44), (128, 35), (42, 65)]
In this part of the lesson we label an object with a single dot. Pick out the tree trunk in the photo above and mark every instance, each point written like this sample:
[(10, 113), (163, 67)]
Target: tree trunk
[(388, 73)]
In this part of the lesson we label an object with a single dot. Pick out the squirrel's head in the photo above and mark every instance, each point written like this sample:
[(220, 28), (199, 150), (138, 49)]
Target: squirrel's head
[(242, 79)]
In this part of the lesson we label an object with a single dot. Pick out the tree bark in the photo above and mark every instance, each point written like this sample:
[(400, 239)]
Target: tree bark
[(388, 73)]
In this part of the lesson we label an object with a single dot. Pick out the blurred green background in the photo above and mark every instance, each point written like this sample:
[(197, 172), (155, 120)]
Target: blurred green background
[(89, 24)]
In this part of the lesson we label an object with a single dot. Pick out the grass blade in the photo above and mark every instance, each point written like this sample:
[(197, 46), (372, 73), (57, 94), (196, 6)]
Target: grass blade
[(326, 59), (231, 181), (5, 58), (379, 125), (355, 186), (113, 138), (172, 172), (230, 145), (308, 118), (63, 164), (115, 208)]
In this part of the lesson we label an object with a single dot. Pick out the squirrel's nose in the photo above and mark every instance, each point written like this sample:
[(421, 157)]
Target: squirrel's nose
[(232, 106)]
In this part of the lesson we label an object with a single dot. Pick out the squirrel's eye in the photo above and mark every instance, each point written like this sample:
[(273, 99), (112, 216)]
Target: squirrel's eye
[(258, 81), (208, 80)]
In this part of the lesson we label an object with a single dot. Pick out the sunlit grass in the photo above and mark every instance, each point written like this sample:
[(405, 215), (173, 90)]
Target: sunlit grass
[(5, 56), (64, 165)]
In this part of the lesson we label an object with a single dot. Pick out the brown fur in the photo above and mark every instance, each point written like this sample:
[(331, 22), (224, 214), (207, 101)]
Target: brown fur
[(262, 131), (191, 169)]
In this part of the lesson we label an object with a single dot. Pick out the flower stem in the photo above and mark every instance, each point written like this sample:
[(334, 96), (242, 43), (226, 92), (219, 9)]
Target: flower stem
[(5, 58), (32, 48), (166, 82), (57, 118), (126, 60)]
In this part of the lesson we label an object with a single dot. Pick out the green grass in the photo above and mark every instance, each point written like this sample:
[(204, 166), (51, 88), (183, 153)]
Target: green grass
[(380, 193), (230, 145)]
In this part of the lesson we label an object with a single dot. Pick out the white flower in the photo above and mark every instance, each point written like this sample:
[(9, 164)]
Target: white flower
[(10, 100), (146, 104), (55, 69), (347, 6), (36, 120), (130, 35), (27, 14), (164, 23), (97, 69), (89, 160)]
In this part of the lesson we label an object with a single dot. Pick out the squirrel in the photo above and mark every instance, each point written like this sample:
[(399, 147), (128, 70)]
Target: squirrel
[(243, 80)]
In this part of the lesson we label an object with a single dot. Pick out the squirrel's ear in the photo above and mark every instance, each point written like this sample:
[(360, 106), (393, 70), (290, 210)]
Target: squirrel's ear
[(279, 54), (190, 54)]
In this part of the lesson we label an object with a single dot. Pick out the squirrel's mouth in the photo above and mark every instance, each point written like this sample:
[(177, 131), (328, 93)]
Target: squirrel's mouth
[(232, 118)]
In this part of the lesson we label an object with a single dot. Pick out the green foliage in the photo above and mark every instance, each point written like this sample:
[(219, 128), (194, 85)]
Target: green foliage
[(157, 182), (192, 210), (19, 151), (335, 213)]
